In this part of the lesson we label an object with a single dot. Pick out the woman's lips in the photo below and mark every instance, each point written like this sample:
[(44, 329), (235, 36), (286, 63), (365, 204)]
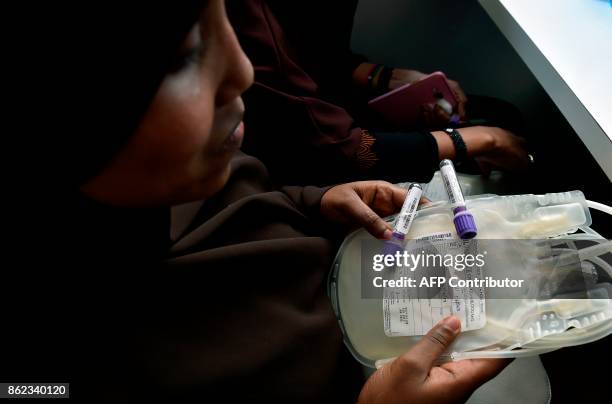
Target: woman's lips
[(234, 140)]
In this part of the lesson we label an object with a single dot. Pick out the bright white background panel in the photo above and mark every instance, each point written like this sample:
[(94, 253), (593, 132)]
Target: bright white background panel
[(568, 46)]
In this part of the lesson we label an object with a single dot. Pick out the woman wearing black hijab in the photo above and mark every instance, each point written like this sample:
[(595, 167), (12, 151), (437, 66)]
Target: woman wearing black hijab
[(172, 270)]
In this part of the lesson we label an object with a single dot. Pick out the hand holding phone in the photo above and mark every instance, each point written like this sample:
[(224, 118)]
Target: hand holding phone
[(402, 108)]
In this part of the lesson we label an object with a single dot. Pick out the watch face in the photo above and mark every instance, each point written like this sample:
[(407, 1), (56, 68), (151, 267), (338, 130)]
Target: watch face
[(449, 131)]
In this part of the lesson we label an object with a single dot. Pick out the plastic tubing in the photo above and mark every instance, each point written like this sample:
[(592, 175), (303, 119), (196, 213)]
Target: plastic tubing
[(577, 336), (595, 250), (599, 206), (517, 353), (457, 356), (600, 262)]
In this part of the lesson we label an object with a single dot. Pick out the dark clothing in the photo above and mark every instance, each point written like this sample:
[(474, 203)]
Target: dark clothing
[(235, 310), (297, 118), (231, 308), (91, 82), (324, 52), (301, 109), (255, 323)]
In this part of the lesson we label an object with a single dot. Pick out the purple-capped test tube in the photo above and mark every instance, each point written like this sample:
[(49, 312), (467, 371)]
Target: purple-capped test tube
[(463, 219)]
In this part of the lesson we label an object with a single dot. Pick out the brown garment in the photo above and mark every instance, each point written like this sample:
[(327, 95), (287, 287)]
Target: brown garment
[(253, 323), (238, 312)]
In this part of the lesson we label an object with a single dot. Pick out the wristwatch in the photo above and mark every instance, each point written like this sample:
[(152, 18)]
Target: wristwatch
[(460, 147)]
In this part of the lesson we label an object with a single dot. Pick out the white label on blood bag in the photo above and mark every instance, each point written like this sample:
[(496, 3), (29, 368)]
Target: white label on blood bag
[(443, 235), (415, 310)]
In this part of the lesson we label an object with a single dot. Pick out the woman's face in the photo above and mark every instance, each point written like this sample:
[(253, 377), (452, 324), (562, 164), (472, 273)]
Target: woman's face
[(182, 147)]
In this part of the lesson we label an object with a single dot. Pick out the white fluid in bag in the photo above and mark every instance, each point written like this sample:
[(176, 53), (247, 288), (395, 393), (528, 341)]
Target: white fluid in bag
[(513, 321)]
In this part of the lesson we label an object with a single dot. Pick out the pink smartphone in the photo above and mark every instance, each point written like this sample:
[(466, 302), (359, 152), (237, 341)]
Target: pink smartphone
[(401, 108)]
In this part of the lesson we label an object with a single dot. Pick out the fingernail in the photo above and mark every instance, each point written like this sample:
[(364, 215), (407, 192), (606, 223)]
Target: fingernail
[(452, 324), (387, 234)]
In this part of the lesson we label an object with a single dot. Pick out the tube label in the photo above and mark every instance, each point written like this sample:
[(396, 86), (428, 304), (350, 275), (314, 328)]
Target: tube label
[(408, 212), (453, 190)]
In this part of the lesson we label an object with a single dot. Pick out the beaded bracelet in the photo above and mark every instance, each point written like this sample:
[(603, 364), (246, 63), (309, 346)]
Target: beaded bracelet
[(461, 152)]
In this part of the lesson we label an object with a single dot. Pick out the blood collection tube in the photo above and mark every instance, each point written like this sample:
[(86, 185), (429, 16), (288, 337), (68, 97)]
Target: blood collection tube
[(403, 221), (463, 219), (402, 224)]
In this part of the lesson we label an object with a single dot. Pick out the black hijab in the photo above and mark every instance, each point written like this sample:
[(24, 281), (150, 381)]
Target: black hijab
[(89, 72), (109, 59)]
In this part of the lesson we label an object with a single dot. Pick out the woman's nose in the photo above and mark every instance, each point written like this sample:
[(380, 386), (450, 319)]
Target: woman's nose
[(239, 72)]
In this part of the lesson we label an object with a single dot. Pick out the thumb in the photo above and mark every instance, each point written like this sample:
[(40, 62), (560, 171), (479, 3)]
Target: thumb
[(427, 351)]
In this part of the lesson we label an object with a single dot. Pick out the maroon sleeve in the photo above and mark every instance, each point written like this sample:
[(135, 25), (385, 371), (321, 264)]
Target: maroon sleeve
[(320, 32)]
